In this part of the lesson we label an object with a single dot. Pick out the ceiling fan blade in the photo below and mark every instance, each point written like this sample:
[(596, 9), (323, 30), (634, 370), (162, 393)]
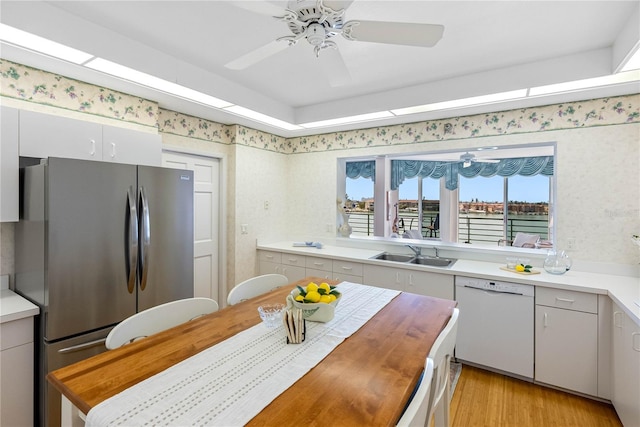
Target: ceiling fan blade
[(334, 67), (403, 33), (257, 55), (337, 4), (262, 7)]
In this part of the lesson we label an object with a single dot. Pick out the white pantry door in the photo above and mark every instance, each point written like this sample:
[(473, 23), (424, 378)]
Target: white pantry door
[(206, 200)]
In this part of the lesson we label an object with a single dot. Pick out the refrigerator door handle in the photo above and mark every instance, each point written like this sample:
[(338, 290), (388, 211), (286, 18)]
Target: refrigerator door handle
[(82, 346), (133, 240), (145, 237)]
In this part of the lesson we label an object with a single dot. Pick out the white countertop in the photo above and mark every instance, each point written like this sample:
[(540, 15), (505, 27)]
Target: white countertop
[(623, 290), (13, 306)]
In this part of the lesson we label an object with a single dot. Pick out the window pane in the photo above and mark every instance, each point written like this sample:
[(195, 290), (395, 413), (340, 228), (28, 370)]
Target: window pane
[(409, 209), (528, 206), (481, 206), (360, 205)]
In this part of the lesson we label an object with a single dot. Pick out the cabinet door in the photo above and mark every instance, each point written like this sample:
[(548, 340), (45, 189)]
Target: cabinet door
[(131, 147), (566, 353), (8, 164), (293, 273), (44, 135), (266, 267), (625, 385), (311, 272), (16, 382), (384, 277), (429, 284)]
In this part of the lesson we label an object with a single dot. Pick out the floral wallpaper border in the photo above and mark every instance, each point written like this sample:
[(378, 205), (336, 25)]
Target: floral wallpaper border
[(23, 82), (41, 87)]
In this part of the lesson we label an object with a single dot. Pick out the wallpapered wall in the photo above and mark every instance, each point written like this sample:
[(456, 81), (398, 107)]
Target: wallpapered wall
[(297, 175)]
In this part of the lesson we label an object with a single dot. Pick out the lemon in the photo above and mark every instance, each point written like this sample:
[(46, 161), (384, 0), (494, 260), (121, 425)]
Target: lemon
[(519, 267), (312, 287), (325, 299), (332, 297), (312, 296), (299, 298), (325, 286)]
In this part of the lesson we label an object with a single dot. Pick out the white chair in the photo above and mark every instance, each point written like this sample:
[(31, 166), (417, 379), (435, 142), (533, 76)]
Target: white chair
[(256, 286), (419, 408), (441, 353), (157, 319), (522, 240)]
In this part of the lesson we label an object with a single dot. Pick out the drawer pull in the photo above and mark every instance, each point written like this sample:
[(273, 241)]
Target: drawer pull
[(544, 321), (635, 343), (269, 256), (347, 268), (293, 259), (571, 301), (319, 264)]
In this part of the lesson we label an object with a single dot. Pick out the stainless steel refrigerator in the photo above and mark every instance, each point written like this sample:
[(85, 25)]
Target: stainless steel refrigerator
[(96, 243)]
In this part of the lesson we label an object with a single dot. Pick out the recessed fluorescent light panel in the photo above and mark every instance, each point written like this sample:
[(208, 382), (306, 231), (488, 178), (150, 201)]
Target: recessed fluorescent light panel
[(350, 119), (39, 44), (464, 102), (254, 115), (153, 82), (577, 85)]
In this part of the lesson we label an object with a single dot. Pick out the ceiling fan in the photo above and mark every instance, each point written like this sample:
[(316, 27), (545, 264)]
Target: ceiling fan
[(467, 159), (318, 21)]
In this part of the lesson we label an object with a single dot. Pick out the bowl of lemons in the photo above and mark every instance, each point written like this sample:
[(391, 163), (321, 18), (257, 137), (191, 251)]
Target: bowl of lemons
[(317, 301)]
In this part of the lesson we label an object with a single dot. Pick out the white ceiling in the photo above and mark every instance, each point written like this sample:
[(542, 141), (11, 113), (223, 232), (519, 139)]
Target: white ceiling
[(487, 47)]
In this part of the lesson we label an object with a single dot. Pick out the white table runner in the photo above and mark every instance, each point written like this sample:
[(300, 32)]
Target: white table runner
[(231, 382)]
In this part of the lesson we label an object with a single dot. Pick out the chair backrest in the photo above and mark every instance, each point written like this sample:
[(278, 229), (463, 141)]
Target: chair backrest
[(412, 234), (157, 319), (256, 286), (525, 240), (436, 222), (441, 353), (419, 409)]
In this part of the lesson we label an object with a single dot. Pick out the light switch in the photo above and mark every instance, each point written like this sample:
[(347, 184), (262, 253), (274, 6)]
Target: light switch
[(244, 228)]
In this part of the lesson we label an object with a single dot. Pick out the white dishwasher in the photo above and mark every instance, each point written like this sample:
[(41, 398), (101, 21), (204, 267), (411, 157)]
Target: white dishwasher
[(496, 325)]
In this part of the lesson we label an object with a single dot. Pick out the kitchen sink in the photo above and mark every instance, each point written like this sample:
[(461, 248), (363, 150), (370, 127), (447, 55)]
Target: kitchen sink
[(385, 256), (433, 262), (413, 259)]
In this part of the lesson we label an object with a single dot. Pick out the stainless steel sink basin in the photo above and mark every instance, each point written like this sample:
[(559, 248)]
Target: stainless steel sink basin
[(413, 259), (385, 256), (433, 262)]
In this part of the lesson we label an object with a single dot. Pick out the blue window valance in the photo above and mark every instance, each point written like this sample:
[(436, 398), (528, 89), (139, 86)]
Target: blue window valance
[(525, 166), (364, 169)]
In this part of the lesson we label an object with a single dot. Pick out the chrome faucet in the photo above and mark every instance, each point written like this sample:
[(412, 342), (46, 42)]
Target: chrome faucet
[(416, 249)]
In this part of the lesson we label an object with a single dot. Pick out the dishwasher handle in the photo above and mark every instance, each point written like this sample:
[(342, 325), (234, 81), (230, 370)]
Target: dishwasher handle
[(493, 292)]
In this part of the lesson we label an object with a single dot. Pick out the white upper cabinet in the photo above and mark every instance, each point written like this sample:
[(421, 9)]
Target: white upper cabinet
[(8, 164), (45, 135), (128, 146)]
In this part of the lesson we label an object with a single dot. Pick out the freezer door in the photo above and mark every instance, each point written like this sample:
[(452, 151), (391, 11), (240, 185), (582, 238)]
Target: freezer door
[(165, 211), (88, 260), (58, 355)]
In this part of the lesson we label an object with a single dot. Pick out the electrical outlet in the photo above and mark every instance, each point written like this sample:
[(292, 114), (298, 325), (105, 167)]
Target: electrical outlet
[(266, 205), (571, 243), (244, 228)]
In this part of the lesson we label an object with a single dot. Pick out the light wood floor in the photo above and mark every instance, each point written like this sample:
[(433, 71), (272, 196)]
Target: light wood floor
[(484, 398)]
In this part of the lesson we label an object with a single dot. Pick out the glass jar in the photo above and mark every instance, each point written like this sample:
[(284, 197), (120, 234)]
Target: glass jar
[(557, 262)]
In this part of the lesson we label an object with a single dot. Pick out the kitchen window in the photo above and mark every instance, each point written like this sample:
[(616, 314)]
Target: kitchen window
[(457, 196)]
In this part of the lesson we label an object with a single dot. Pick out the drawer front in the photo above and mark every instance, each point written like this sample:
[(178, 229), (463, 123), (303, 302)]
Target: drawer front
[(317, 263), (292, 259), (570, 300), (346, 267), (16, 332), (311, 272), (347, 278), (270, 256)]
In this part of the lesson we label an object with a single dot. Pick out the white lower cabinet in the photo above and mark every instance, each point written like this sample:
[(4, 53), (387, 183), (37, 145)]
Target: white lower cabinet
[(16, 373), (566, 340), (417, 282), (625, 367)]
